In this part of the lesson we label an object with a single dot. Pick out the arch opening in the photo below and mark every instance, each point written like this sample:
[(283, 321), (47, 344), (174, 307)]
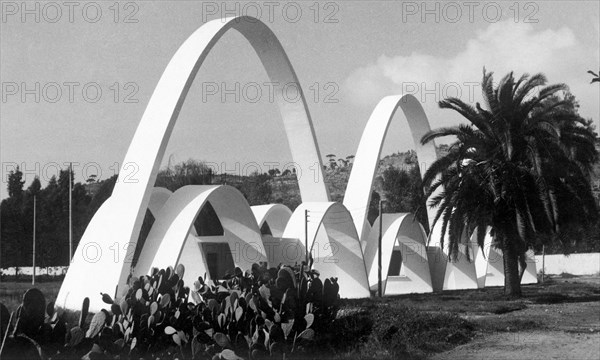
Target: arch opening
[(405, 264), (171, 240), (333, 243)]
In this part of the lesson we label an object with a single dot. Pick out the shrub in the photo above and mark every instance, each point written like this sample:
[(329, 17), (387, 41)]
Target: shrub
[(256, 314)]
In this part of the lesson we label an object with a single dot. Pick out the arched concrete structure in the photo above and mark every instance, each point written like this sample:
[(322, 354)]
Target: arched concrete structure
[(358, 190), (333, 243), (489, 264), (360, 183), (118, 224), (451, 275), (170, 232), (455, 274), (402, 234), (275, 215)]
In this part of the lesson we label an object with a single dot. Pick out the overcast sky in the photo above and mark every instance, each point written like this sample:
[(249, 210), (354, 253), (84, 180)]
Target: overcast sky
[(347, 55)]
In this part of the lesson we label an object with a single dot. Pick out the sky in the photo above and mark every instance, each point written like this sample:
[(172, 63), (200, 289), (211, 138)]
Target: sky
[(76, 76)]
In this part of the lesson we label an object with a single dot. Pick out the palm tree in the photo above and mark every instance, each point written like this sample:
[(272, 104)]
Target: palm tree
[(520, 166)]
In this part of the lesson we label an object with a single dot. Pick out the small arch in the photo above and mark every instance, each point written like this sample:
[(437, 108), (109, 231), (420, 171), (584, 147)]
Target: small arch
[(489, 263), (333, 243), (403, 236), (448, 274), (170, 243), (275, 216)]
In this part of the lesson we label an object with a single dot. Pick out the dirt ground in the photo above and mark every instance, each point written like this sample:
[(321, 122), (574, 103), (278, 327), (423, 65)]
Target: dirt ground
[(568, 330)]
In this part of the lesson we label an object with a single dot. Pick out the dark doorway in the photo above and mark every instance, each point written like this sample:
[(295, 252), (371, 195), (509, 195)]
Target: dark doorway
[(218, 259), (395, 263)]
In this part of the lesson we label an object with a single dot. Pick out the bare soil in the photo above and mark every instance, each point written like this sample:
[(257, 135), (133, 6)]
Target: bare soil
[(567, 329)]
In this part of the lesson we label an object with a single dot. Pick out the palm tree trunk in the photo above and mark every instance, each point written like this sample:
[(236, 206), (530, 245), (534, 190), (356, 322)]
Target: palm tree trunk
[(522, 265), (512, 283)]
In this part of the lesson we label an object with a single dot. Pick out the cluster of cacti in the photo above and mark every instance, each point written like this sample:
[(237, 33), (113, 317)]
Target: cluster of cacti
[(260, 313)]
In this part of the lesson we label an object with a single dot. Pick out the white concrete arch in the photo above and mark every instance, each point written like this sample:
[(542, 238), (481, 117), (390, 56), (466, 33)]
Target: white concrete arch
[(170, 232), (118, 227), (276, 215), (403, 233), (86, 254), (446, 275), (489, 263), (334, 245), (358, 190)]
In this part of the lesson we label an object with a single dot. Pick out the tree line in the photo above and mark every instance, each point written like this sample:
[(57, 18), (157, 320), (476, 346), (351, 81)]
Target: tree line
[(52, 219), (52, 209)]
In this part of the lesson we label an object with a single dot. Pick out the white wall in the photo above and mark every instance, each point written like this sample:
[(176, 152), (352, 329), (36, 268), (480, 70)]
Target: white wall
[(28, 270), (575, 264)]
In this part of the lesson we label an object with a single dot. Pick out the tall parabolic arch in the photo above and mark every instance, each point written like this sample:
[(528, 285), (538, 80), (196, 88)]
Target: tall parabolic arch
[(337, 236), (111, 236)]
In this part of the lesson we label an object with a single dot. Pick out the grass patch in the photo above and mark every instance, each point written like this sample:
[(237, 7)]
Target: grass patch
[(550, 298), (500, 309), (384, 331), (507, 325)]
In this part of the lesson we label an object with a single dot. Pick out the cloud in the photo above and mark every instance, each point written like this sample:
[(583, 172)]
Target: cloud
[(501, 47)]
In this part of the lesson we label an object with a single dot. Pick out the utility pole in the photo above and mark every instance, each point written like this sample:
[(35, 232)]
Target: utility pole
[(70, 213), (306, 235), (34, 211), (379, 287)]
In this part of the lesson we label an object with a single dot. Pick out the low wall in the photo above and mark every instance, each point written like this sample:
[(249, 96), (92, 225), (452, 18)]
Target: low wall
[(575, 264), (28, 270)]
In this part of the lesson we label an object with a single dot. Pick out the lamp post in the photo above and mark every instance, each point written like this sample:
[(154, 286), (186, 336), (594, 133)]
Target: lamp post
[(70, 213), (306, 235), (379, 286)]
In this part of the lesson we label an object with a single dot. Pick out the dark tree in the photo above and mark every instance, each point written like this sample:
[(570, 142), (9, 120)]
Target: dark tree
[(404, 192), (15, 183), (520, 166)]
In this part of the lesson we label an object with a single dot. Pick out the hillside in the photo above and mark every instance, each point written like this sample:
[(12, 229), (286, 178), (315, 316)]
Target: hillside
[(336, 178), (284, 188)]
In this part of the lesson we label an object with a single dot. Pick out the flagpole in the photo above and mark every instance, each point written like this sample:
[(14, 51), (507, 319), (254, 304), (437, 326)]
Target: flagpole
[(70, 212)]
